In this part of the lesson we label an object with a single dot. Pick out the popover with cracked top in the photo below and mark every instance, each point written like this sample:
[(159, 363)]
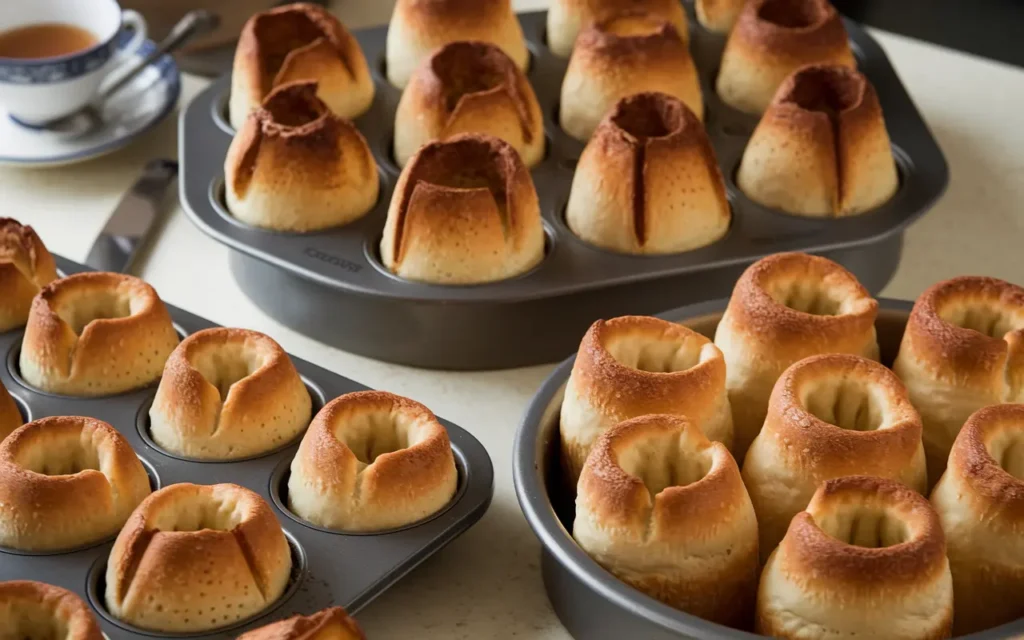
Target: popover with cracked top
[(32, 610), (26, 266)]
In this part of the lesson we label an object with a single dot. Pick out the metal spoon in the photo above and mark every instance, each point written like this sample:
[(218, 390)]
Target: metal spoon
[(90, 117)]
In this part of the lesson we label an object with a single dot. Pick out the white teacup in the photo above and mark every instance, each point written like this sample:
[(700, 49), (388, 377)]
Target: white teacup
[(36, 90)]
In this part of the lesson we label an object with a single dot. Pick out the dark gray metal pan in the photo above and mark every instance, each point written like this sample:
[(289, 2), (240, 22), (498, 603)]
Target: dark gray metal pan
[(330, 568), (590, 602), (331, 285)]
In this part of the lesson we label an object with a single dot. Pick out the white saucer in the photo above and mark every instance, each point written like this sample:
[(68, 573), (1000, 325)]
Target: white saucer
[(132, 111)]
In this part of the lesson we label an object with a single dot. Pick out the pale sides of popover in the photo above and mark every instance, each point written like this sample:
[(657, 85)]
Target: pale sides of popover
[(157, 578), (664, 509), (615, 58), (370, 461), (418, 27), (296, 166), (300, 41), (469, 87), (228, 393), (94, 334), (648, 181), (772, 39), (38, 611), (980, 500), (329, 624), (10, 415), (636, 365), (66, 482), (821, 149), (830, 416), (464, 211), (718, 15), (785, 308), (566, 18), (25, 267), (865, 561), (963, 349)]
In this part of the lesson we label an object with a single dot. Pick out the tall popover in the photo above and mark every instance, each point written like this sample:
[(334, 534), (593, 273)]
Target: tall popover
[(636, 365), (25, 267), (867, 559), (418, 27), (464, 211), (329, 624), (821, 149), (10, 415), (772, 39), (980, 500), (469, 87), (35, 611), (615, 58), (372, 460), (66, 482), (718, 15), (295, 166), (197, 557), (94, 334), (648, 181), (963, 349), (300, 41), (664, 509), (783, 309), (566, 18), (830, 416), (228, 393)]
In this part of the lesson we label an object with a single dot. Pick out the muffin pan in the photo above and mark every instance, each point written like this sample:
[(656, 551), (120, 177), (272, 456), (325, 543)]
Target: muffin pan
[(589, 601), (329, 568), (332, 286)]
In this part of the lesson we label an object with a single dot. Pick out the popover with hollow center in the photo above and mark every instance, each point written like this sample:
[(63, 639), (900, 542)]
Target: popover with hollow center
[(821, 149), (418, 27), (980, 501), (784, 308), (228, 393), (867, 559), (370, 461), (718, 16), (37, 611), (66, 482), (830, 416), (664, 509), (25, 267), (613, 59), (648, 181), (94, 334), (469, 87), (10, 414), (464, 211), (329, 624), (300, 41), (296, 166), (636, 365), (773, 38), (197, 557), (963, 349), (566, 18)]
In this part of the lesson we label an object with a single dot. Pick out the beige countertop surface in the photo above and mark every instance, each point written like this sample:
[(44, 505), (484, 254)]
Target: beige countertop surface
[(487, 584)]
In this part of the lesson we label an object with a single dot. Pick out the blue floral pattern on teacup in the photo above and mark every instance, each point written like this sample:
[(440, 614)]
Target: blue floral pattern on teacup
[(17, 71)]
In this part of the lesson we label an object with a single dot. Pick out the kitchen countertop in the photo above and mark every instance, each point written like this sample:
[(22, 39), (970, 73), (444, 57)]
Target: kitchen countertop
[(487, 584)]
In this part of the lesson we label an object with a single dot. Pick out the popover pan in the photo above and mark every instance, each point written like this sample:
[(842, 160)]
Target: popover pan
[(591, 602), (329, 568), (332, 286)]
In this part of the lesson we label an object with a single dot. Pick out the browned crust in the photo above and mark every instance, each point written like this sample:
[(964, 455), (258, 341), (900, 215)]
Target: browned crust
[(455, 12), (766, 320), (956, 353), (329, 624), (25, 267), (775, 627), (662, 41), (813, 553), (818, 39), (71, 617), (62, 511), (10, 415), (971, 460)]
